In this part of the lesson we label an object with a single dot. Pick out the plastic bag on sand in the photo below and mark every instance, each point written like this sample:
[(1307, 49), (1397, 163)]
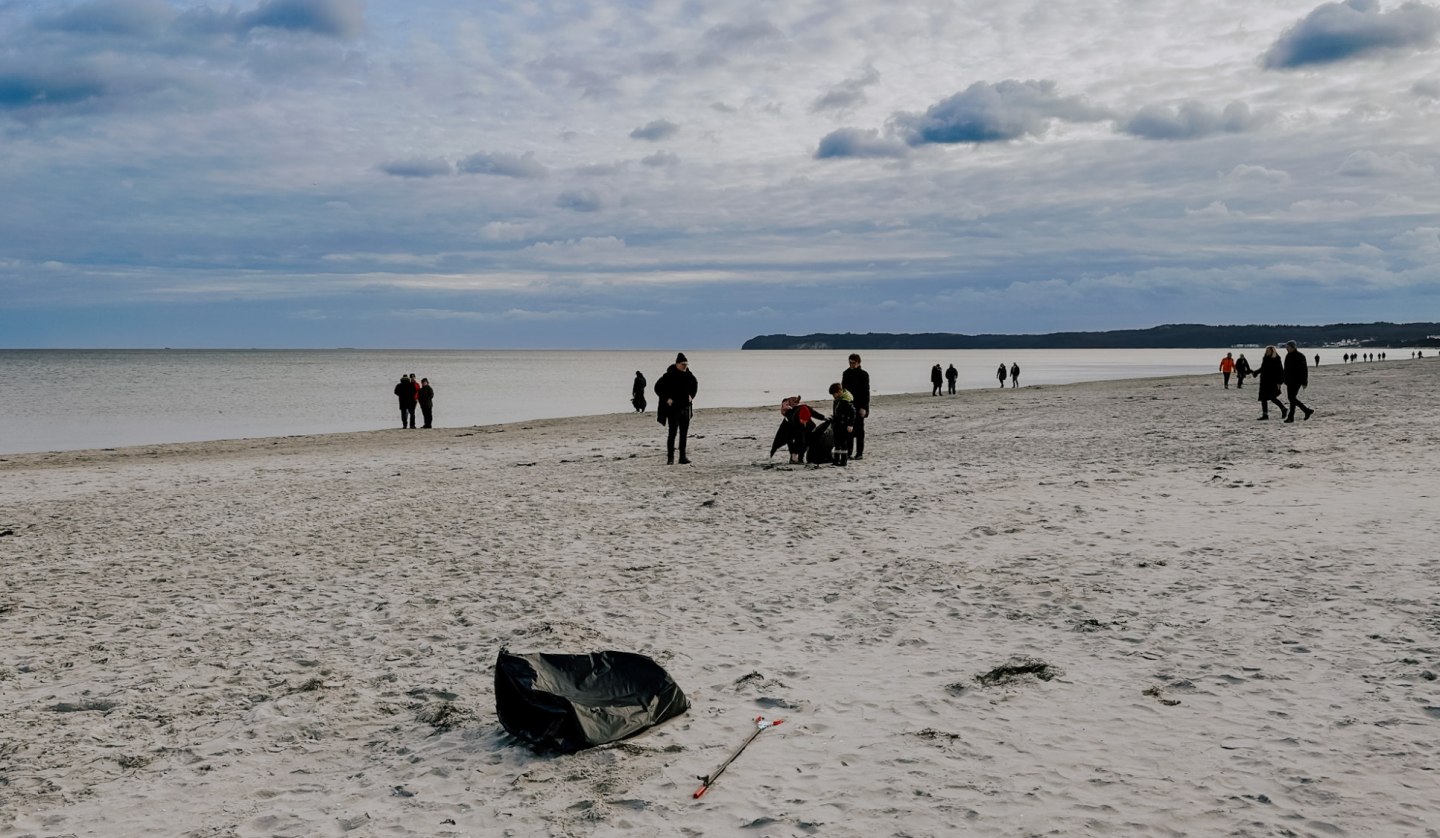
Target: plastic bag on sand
[(568, 703)]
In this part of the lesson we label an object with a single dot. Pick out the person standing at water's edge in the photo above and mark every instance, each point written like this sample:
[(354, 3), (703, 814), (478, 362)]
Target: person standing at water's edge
[(1227, 366), (1000, 374), (1271, 373), (937, 378), (637, 393), (676, 391), (857, 383), (405, 392), (1297, 376), (950, 375), (1014, 375), (426, 397)]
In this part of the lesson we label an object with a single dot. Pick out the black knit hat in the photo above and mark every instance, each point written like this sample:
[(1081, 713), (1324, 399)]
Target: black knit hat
[(680, 358)]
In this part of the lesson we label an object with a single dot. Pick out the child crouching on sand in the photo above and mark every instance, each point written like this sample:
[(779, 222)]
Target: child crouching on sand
[(842, 423)]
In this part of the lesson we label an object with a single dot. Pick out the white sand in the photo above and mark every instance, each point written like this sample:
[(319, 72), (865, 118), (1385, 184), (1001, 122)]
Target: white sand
[(251, 638)]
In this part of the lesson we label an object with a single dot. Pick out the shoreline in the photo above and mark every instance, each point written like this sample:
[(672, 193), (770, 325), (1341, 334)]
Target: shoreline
[(239, 445), (1093, 608)]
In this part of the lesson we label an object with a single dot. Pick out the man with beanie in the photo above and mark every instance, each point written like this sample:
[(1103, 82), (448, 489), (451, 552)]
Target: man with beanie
[(676, 391), (405, 392), (857, 383)]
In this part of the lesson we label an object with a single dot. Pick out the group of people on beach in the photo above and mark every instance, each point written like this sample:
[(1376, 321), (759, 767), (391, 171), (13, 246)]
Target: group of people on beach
[(950, 375), (411, 392), (676, 389), (1293, 373)]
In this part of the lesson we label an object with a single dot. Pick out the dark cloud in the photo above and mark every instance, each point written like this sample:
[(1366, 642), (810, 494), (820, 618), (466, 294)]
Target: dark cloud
[(503, 165), (657, 130), (332, 18), (848, 93), (417, 167), (1189, 121), (1352, 29), (40, 87), (660, 159), (579, 200), (859, 142), (731, 37), (126, 18), (987, 113)]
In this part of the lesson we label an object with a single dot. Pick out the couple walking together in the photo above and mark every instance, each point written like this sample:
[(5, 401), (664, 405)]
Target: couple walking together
[(1293, 372)]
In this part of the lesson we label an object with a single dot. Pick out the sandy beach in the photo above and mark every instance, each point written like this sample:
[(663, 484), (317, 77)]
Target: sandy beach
[(1214, 626)]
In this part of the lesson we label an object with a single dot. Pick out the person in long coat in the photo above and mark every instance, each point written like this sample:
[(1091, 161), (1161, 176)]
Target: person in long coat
[(405, 392), (1000, 374), (1297, 376), (937, 378), (676, 390), (1271, 375), (637, 392)]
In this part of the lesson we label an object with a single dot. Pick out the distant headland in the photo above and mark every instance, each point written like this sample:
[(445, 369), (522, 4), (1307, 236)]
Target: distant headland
[(1171, 336)]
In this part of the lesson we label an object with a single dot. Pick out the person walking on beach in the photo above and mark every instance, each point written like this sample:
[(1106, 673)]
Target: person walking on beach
[(676, 391), (857, 383), (1000, 374), (1014, 375), (426, 397), (1317, 358), (637, 392), (950, 375), (1242, 369), (1297, 376), (842, 423), (1271, 374), (1227, 366), (405, 392), (936, 379)]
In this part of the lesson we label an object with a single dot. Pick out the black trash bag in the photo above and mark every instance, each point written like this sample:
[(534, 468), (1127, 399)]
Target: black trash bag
[(819, 443), (567, 703)]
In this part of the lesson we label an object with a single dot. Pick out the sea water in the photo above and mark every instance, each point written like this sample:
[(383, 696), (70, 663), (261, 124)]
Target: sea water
[(71, 399)]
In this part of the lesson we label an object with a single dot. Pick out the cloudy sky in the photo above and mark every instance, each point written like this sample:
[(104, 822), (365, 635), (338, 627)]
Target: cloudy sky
[(654, 173)]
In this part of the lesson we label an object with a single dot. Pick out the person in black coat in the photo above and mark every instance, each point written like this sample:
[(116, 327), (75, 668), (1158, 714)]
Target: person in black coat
[(842, 423), (951, 374), (1242, 369), (676, 390), (1271, 374), (857, 383), (637, 393), (1014, 375), (1000, 374), (427, 402), (405, 392), (1297, 376), (937, 378)]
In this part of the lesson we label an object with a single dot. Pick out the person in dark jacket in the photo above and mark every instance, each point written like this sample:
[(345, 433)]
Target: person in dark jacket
[(426, 398), (1297, 376), (950, 375), (1271, 374), (857, 383), (405, 392), (937, 379), (1242, 369), (1014, 375), (637, 393), (842, 423), (676, 391), (1000, 374)]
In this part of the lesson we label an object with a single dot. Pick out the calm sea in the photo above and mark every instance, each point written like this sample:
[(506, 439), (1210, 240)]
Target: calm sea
[(70, 399)]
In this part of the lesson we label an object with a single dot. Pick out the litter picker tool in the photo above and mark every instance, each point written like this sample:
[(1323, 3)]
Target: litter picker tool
[(709, 780)]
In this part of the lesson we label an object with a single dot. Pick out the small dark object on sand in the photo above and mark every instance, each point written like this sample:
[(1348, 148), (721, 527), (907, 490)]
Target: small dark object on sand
[(1016, 668)]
